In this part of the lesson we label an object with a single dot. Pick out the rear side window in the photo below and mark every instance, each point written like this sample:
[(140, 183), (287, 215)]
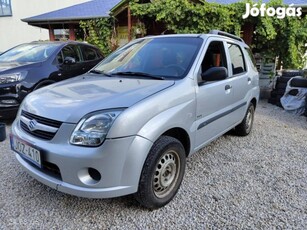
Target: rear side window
[(89, 53), (252, 59), (237, 59)]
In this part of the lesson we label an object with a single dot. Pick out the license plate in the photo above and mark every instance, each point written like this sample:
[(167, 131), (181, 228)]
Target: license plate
[(25, 150)]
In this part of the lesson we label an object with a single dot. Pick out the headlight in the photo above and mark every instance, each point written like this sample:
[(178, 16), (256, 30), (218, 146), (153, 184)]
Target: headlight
[(12, 77), (92, 130)]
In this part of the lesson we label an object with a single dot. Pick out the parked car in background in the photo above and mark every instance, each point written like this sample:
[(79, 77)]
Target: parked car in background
[(30, 66)]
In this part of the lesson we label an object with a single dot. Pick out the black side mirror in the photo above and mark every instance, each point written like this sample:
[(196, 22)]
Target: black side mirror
[(215, 74), (69, 61)]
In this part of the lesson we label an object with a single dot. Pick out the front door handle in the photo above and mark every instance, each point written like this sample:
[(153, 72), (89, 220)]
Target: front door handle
[(228, 87)]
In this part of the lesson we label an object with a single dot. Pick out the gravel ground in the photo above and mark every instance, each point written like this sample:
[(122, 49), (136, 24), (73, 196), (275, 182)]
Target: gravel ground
[(255, 182)]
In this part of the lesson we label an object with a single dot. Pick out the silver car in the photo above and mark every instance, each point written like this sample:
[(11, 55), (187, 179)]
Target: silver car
[(128, 125)]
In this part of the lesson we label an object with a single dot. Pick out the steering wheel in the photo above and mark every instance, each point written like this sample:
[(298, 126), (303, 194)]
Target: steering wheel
[(179, 69)]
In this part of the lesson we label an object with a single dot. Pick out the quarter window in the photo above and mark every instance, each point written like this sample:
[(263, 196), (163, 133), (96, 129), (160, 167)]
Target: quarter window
[(237, 60), (5, 8)]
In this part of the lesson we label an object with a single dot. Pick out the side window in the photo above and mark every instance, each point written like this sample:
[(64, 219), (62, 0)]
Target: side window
[(71, 51), (214, 57), (237, 60), (89, 53)]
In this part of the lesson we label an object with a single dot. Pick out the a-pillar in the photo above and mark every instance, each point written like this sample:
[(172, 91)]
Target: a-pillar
[(51, 33), (72, 35), (129, 24)]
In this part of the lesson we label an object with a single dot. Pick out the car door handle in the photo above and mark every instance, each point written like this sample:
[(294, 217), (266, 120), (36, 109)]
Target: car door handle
[(228, 87), (249, 80)]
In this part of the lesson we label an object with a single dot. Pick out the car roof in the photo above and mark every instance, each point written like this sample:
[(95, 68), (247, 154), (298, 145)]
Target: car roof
[(213, 33), (60, 43)]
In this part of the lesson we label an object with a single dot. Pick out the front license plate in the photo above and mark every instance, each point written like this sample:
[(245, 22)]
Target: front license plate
[(25, 150)]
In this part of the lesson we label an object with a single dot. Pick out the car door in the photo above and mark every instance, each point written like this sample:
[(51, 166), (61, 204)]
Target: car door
[(69, 62), (241, 81), (214, 98)]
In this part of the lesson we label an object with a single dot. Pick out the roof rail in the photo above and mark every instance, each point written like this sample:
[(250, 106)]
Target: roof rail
[(218, 32)]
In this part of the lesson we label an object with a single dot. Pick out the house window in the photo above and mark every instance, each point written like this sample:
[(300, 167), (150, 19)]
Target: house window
[(5, 8)]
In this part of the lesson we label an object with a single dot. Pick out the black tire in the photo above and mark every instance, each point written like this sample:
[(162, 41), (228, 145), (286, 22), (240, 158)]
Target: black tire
[(280, 92), (283, 79), (245, 127), (43, 84), (279, 104), (281, 85), (292, 73), (299, 82), (272, 101), (274, 94), (162, 173)]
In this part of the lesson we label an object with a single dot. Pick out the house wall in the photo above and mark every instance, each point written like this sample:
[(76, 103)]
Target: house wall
[(13, 31)]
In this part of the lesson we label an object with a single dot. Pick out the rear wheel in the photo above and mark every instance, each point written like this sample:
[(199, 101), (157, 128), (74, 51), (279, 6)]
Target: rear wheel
[(162, 173), (245, 127)]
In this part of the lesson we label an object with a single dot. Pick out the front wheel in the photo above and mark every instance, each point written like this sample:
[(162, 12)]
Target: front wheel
[(162, 173), (245, 127)]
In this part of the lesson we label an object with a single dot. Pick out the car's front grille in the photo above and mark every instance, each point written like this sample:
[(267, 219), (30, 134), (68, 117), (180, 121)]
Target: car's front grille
[(42, 120), (44, 128)]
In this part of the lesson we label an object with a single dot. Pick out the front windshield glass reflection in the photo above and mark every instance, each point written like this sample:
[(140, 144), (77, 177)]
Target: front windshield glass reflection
[(35, 52), (166, 57)]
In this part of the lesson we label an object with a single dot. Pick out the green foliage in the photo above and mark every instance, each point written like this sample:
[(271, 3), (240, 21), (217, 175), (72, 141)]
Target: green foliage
[(184, 16), (99, 33), (273, 37)]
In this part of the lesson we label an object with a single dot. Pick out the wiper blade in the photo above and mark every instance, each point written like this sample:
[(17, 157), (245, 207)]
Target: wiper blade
[(129, 73), (100, 72)]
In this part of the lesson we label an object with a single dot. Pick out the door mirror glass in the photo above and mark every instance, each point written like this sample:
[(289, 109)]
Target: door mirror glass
[(214, 74)]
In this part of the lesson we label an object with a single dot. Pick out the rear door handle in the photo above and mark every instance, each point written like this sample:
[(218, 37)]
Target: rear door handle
[(249, 80), (228, 87)]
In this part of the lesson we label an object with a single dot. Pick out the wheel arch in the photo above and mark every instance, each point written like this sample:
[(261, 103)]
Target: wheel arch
[(254, 102), (181, 135), (43, 83)]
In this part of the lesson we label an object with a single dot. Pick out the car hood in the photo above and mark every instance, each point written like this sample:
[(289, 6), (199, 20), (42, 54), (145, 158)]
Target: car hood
[(12, 65), (68, 101)]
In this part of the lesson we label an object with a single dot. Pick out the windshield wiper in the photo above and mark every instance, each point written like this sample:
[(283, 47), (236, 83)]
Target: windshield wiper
[(130, 73), (100, 72)]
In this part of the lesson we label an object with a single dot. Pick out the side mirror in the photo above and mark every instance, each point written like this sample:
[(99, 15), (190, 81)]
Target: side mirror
[(69, 61), (215, 74)]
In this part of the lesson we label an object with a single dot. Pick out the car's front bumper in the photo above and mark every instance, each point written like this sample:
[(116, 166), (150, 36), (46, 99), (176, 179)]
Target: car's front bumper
[(9, 100), (119, 162)]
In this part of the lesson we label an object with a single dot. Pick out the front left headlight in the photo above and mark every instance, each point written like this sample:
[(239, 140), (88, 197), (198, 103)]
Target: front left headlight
[(12, 77), (92, 131)]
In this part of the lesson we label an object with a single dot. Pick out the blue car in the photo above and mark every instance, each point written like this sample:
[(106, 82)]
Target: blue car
[(30, 66)]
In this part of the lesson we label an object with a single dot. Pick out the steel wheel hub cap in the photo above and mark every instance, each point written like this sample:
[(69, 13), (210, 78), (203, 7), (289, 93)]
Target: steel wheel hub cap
[(249, 119), (166, 174)]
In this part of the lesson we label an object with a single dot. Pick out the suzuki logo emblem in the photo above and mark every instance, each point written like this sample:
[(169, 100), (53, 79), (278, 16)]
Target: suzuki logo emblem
[(32, 125)]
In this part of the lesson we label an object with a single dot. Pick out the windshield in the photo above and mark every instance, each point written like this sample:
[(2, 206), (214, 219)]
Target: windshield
[(167, 57), (29, 53)]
